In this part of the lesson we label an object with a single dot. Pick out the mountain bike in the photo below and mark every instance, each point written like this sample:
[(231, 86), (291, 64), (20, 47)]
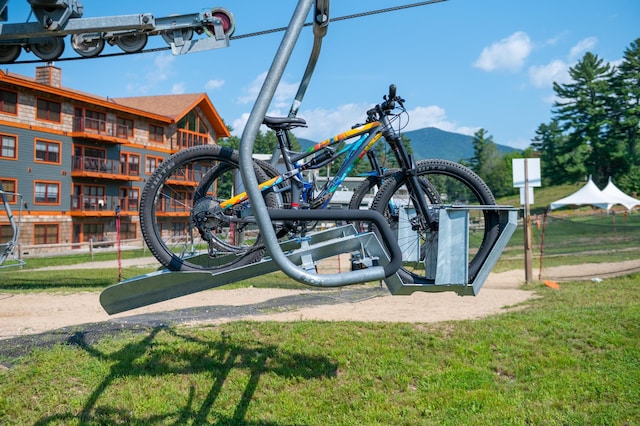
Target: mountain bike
[(202, 185)]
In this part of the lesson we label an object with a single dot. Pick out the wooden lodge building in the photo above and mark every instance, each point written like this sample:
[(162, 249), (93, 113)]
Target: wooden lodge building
[(76, 157)]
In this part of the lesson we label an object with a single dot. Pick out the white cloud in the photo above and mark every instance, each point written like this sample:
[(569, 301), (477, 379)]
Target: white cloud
[(239, 123), (508, 53), (161, 70), (326, 123), (213, 84), (543, 76), (582, 47), (178, 88), (551, 99), (282, 98), (616, 63), (434, 116), (322, 123)]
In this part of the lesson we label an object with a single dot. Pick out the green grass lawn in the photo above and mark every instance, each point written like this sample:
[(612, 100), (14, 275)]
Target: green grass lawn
[(570, 356), (77, 258)]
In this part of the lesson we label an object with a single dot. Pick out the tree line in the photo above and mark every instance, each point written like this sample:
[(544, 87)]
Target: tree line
[(593, 131)]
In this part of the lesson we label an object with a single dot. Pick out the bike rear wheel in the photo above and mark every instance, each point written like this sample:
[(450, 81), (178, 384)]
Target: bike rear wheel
[(455, 185), (176, 212)]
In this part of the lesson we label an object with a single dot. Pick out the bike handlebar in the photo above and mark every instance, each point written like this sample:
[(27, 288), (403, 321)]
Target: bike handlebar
[(388, 105)]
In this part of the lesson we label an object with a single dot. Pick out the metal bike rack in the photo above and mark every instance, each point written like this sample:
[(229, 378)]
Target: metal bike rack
[(450, 265), (376, 260), (164, 285)]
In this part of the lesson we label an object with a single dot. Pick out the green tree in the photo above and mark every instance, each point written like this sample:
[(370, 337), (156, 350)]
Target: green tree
[(625, 115), (582, 112), (493, 169), (549, 142), (265, 143)]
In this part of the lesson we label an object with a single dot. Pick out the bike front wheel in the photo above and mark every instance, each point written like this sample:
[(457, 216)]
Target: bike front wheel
[(453, 184), (183, 218)]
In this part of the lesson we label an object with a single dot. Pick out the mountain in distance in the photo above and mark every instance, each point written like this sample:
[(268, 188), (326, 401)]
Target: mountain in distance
[(431, 142)]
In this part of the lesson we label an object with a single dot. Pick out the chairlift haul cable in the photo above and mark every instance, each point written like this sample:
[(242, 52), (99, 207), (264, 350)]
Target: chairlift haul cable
[(248, 35)]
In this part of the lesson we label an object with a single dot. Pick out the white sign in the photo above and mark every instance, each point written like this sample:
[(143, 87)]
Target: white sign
[(533, 172), (522, 199)]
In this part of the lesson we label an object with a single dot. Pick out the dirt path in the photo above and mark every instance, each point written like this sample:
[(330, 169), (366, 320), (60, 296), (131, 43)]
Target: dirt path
[(23, 314)]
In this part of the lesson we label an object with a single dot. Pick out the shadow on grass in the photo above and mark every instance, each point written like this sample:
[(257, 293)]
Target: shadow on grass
[(217, 357)]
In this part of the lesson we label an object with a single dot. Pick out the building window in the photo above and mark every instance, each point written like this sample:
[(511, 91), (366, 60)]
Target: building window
[(124, 128), (178, 229), (48, 110), (128, 231), (47, 193), (193, 122), (88, 197), (8, 145), (92, 232), (129, 199), (48, 152), (95, 120), (179, 201), (156, 133), (9, 185), (129, 164), (151, 164), (8, 102), (6, 234), (89, 159), (192, 130), (47, 233)]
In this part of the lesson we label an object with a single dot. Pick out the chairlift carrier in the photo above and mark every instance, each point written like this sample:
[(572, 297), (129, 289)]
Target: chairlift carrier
[(372, 259)]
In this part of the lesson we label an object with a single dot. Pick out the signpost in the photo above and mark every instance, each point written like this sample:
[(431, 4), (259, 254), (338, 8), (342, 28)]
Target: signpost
[(526, 176)]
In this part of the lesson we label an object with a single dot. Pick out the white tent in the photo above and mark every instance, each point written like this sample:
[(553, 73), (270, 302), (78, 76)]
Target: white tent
[(589, 194), (613, 192)]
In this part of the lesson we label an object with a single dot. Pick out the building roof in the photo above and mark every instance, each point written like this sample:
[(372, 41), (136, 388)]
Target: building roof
[(177, 106), (67, 93), (164, 108)]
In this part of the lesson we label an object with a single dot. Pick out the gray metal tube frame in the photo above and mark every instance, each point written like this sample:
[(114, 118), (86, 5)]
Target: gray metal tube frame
[(251, 182)]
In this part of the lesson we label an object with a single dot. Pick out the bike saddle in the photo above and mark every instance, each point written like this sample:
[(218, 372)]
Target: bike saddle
[(284, 123)]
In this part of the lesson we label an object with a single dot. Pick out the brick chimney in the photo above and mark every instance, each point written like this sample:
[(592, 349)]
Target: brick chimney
[(49, 75)]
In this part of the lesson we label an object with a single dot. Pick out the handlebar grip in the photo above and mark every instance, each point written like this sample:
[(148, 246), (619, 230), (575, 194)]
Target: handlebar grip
[(392, 92)]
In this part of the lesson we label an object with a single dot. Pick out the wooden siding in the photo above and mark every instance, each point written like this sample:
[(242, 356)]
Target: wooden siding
[(71, 213)]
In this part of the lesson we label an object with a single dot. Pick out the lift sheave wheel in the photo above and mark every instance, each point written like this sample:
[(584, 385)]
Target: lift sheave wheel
[(48, 48), (132, 43), (87, 45)]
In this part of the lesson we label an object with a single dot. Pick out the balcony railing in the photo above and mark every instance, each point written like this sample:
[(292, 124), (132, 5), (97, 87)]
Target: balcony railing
[(101, 127), (173, 205), (102, 204), (187, 139), (84, 163)]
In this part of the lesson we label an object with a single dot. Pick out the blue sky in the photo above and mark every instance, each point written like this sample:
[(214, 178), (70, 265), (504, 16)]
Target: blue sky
[(461, 65)]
